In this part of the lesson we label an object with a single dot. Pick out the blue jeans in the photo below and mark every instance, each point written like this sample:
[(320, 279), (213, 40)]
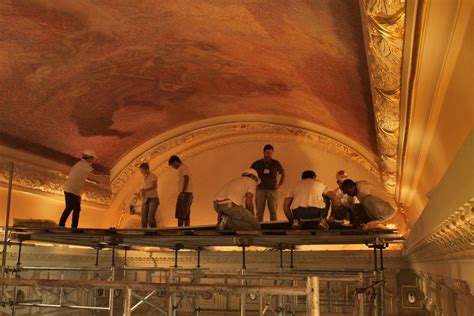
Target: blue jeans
[(149, 208), (238, 217)]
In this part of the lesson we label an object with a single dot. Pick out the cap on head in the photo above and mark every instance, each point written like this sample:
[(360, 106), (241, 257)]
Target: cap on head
[(89, 153), (341, 175), (251, 172)]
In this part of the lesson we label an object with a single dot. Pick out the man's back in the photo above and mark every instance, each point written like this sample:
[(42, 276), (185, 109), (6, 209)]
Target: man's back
[(365, 188), (77, 177), (236, 189), (308, 193)]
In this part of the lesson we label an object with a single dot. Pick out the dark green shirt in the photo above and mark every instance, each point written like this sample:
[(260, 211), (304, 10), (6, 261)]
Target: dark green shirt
[(267, 172)]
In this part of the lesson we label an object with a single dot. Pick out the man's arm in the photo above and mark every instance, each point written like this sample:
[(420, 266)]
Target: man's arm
[(282, 178), (287, 209), (98, 178), (100, 172), (249, 202), (335, 200), (282, 173)]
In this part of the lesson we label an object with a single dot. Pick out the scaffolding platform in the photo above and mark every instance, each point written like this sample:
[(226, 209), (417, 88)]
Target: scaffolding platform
[(273, 235), (273, 290)]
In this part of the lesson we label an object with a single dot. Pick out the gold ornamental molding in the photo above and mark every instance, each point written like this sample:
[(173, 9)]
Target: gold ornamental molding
[(200, 140), (384, 26), (452, 239), (28, 177)]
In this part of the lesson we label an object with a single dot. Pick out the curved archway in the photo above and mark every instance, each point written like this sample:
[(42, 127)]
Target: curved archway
[(218, 134)]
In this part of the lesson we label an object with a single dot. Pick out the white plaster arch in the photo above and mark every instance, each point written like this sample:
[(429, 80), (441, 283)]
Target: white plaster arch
[(192, 139)]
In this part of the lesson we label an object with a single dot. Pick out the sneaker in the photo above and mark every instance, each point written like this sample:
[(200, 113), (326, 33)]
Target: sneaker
[(323, 225), (296, 225)]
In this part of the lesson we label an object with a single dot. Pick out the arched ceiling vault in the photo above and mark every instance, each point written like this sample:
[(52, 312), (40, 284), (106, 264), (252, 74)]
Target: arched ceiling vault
[(111, 75)]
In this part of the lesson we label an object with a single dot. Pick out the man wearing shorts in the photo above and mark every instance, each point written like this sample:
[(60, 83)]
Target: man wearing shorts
[(185, 187)]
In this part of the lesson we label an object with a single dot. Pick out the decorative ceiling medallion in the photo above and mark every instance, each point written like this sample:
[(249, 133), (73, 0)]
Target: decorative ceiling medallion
[(207, 138), (385, 26)]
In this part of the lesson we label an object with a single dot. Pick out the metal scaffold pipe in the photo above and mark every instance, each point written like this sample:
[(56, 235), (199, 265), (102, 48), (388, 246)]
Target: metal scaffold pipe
[(7, 221), (312, 288), (7, 215), (170, 287)]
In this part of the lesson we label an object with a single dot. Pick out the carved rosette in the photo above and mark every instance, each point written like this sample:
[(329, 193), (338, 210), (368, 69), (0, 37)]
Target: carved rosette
[(452, 238), (214, 136), (385, 21), (30, 177)]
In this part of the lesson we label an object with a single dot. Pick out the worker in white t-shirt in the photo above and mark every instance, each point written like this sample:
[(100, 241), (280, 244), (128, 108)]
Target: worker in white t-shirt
[(185, 189), (74, 186), (307, 200), (234, 203), (377, 206), (149, 196)]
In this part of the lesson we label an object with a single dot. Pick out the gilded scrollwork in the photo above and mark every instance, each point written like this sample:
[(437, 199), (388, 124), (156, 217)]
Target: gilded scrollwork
[(385, 22)]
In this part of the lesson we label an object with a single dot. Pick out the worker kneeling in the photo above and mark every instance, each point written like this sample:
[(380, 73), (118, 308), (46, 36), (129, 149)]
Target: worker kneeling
[(376, 208), (307, 200), (234, 203)]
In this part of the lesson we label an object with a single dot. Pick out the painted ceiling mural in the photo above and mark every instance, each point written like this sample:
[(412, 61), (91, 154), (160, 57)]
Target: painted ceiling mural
[(113, 74)]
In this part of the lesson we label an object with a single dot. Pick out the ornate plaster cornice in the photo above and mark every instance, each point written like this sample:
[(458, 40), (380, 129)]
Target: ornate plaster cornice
[(452, 239), (40, 180), (383, 32), (206, 138)]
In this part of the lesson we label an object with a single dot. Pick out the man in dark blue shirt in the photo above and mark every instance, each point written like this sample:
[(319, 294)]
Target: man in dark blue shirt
[(267, 191)]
